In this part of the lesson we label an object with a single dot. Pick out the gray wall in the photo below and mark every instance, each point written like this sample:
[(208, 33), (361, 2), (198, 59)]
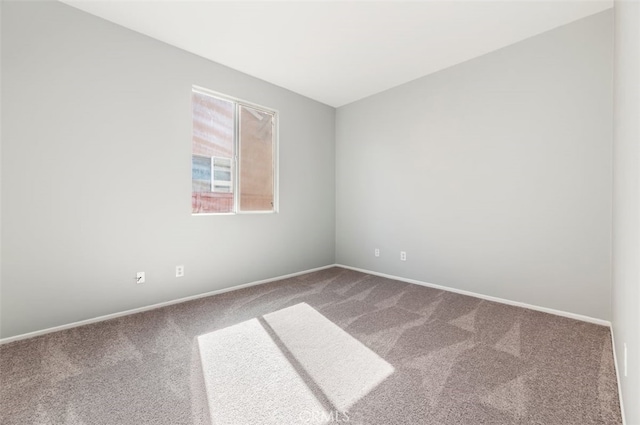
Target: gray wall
[(1, 95), (493, 175), (626, 203), (96, 178)]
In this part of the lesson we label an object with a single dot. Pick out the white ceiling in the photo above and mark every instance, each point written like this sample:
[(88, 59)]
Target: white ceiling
[(337, 52)]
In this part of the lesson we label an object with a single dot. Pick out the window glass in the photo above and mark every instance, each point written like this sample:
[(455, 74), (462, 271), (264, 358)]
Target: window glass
[(232, 170), (256, 160)]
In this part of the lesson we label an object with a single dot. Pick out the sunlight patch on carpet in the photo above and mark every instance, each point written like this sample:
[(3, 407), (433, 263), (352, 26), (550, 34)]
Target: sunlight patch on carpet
[(343, 368), (290, 366)]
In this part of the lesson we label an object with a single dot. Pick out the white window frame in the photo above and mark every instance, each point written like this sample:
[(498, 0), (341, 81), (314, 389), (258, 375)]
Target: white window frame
[(235, 160)]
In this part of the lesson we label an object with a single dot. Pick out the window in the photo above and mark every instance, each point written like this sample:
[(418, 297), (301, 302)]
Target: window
[(233, 162)]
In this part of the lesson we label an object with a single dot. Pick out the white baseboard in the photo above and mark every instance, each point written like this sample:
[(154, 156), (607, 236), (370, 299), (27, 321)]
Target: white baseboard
[(153, 306), (615, 365), (487, 297), (259, 282)]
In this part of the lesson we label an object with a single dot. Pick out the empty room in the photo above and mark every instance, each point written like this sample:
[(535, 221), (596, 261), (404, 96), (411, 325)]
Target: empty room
[(320, 212)]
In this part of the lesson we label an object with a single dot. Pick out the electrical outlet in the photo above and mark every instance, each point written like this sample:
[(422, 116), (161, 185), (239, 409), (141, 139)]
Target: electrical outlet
[(140, 277), (377, 252), (625, 360), (179, 271), (403, 256)]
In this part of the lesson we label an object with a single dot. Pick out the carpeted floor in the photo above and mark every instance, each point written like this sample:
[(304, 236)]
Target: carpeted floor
[(334, 346)]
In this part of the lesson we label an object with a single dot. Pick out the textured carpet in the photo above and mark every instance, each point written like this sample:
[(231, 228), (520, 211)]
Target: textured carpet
[(335, 346)]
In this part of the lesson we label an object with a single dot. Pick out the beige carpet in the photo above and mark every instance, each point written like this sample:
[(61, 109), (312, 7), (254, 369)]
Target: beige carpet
[(335, 346)]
